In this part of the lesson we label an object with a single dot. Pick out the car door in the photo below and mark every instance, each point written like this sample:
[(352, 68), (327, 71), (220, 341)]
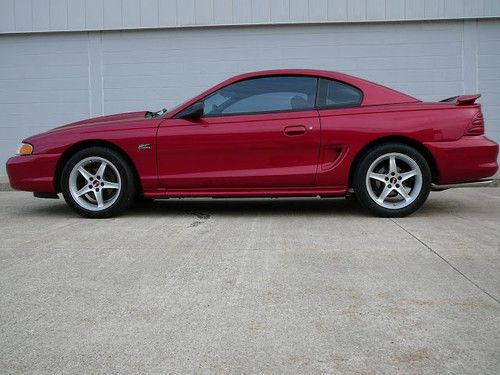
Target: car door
[(257, 133)]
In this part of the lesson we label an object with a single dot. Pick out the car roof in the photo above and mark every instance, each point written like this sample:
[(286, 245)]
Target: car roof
[(373, 93), (276, 72)]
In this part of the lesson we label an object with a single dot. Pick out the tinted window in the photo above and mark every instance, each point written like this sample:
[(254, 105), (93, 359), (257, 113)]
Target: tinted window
[(268, 94), (335, 94)]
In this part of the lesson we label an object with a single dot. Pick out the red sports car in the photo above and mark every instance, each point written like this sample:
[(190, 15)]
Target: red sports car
[(265, 134)]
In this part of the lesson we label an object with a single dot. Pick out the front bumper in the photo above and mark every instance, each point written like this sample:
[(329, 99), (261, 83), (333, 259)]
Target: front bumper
[(467, 159), (33, 172)]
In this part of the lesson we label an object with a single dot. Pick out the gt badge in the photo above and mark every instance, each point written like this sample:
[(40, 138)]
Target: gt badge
[(144, 146)]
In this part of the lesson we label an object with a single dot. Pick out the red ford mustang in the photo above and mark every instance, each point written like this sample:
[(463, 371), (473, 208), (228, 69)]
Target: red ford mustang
[(265, 134)]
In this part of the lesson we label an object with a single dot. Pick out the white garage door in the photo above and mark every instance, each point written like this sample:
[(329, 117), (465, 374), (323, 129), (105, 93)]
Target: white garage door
[(489, 75), (51, 79)]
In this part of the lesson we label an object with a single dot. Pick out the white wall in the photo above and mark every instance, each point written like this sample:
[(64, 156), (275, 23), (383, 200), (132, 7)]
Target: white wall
[(78, 15), (488, 75), (50, 79)]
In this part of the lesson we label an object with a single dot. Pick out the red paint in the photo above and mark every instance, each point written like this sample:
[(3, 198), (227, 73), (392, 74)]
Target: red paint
[(247, 151), (278, 154), (468, 99)]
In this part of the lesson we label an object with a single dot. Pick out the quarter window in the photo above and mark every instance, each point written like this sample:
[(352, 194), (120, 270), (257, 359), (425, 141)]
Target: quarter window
[(335, 94)]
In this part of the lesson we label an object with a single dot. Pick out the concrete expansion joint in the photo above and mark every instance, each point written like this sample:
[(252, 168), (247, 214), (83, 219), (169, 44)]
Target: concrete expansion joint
[(447, 262)]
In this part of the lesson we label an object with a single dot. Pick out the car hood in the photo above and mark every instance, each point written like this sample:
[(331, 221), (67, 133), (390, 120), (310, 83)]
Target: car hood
[(104, 120)]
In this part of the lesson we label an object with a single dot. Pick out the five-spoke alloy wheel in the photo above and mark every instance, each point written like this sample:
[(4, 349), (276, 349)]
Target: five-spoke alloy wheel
[(98, 182), (392, 180)]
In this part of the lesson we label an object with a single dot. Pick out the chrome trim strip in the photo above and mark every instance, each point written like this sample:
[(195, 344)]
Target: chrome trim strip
[(471, 184)]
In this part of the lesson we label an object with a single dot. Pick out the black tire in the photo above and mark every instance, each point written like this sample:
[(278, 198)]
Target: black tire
[(120, 201), (366, 196)]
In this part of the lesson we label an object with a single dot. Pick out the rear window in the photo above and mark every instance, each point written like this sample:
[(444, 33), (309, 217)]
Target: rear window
[(336, 94)]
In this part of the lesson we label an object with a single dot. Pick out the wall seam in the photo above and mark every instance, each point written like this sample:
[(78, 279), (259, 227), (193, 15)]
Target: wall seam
[(476, 43), (463, 57), (101, 71), (88, 75)]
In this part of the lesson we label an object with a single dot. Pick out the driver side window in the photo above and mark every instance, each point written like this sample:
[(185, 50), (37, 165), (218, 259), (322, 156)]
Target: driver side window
[(213, 102), (263, 95)]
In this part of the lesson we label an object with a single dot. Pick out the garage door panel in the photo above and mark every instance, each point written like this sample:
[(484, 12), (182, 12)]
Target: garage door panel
[(488, 75), (29, 97), (44, 84), (30, 71), (26, 45), (65, 77), (124, 69)]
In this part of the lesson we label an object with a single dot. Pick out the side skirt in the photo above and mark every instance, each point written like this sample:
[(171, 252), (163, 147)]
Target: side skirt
[(470, 184), (247, 193)]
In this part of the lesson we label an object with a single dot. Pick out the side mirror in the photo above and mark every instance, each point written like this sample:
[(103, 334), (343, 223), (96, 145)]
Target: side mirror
[(194, 112)]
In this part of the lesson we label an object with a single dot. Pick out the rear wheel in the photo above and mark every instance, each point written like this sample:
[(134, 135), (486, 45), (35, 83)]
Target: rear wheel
[(98, 182), (392, 180)]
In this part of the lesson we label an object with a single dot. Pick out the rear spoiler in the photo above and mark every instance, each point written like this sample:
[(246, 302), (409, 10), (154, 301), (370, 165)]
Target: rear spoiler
[(462, 99)]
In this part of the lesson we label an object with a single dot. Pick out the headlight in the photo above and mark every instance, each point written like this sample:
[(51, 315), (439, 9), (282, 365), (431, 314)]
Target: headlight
[(24, 149)]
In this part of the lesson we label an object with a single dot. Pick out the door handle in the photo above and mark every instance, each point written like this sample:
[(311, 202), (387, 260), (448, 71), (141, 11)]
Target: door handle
[(295, 130)]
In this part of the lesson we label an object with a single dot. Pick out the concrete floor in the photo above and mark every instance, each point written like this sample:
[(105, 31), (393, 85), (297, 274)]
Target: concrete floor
[(275, 286)]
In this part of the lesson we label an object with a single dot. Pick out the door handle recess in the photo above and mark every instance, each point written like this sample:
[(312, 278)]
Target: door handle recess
[(295, 130)]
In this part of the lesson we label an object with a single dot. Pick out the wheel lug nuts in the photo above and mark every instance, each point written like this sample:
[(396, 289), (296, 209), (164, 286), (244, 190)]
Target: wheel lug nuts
[(397, 185), (102, 183), (98, 177), (90, 186), (390, 186), (392, 173), (387, 178), (399, 178), (91, 179), (97, 189)]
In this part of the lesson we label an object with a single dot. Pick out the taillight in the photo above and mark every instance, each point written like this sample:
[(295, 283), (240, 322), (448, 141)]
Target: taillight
[(476, 127)]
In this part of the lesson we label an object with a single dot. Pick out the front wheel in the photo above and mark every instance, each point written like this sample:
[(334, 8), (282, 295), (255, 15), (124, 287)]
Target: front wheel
[(98, 182), (392, 180)]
